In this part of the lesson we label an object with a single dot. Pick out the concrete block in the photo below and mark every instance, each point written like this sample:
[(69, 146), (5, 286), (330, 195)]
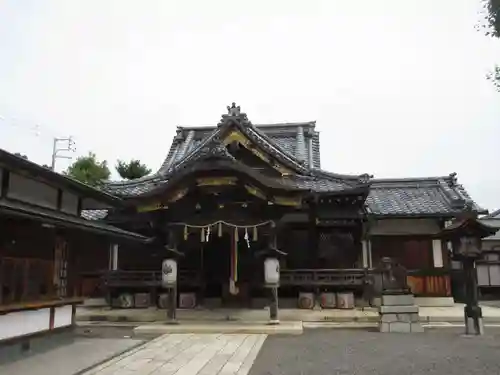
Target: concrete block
[(406, 318), (434, 301), (398, 309), (389, 318), (384, 327), (416, 328), (400, 300), (400, 327)]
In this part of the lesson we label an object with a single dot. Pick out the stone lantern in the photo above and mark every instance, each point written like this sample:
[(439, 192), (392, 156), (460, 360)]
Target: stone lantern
[(398, 311), (272, 255), (465, 235)]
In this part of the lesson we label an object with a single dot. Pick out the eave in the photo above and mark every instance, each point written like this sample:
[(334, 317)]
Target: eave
[(18, 164), (22, 210)]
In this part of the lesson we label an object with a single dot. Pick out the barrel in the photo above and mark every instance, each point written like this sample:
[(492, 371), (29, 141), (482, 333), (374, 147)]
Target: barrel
[(345, 300), (327, 300), (306, 300)]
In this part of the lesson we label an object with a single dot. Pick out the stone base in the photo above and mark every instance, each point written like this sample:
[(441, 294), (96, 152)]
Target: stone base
[(398, 313), (401, 327), (470, 329)]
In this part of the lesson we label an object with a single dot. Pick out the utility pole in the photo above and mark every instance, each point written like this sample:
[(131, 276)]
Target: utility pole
[(68, 146)]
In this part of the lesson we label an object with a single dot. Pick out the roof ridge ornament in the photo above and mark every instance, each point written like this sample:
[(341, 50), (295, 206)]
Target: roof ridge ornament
[(233, 110), (234, 113)]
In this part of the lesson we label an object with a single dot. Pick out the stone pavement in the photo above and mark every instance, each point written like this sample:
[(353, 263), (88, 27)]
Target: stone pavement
[(188, 354), (62, 354), (453, 313)]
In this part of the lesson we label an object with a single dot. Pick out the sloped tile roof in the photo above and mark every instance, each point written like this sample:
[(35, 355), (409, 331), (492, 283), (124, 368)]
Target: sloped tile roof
[(283, 135), (94, 214), (417, 196), (14, 208), (298, 144), (493, 215)]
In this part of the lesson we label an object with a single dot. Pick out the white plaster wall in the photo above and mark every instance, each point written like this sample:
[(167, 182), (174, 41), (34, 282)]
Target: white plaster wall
[(23, 323), (404, 227), (491, 245), (62, 316)]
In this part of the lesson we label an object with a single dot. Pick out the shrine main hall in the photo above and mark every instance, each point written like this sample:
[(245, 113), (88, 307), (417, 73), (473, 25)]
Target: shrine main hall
[(228, 196)]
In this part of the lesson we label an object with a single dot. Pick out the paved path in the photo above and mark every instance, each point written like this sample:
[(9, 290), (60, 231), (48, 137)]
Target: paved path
[(188, 354), (61, 354)]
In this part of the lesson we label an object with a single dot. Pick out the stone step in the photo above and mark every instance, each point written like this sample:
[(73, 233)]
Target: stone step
[(149, 330)]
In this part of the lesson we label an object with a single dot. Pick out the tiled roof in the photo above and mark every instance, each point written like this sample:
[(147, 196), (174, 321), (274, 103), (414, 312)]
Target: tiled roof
[(417, 196), (94, 214), (192, 143), (298, 145), (14, 208), (287, 136), (493, 215)]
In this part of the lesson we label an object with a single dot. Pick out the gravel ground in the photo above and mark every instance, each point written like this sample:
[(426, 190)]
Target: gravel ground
[(357, 352)]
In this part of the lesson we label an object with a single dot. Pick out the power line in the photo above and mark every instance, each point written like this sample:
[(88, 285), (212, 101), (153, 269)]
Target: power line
[(27, 126), (59, 144)]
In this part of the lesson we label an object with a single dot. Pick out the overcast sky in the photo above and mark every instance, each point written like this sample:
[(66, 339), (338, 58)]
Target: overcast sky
[(397, 87)]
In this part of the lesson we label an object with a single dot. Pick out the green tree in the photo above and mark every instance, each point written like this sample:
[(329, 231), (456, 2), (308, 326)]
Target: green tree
[(491, 27), (89, 170), (132, 170)]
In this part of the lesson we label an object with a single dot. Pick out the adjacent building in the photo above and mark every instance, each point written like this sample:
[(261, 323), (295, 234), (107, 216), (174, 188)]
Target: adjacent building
[(46, 246), (488, 268)]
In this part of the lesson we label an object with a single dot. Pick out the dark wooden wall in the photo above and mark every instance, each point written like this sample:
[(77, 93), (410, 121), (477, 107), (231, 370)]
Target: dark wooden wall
[(411, 252)]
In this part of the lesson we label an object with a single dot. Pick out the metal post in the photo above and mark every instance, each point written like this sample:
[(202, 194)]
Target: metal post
[(55, 150), (172, 305), (54, 154), (273, 308), (472, 312)]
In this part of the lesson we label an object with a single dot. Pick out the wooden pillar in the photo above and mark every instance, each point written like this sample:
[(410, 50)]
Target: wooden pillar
[(1, 279), (313, 233), (113, 257), (364, 254)]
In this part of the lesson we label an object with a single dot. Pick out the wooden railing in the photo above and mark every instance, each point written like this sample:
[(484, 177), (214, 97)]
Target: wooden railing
[(296, 277), (25, 279), (137, 279), (323, 277), (434, 282)]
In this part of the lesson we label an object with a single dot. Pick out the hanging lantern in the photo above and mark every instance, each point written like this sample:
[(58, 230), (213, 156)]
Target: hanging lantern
[(219, 229), (236, 234), (202, 235), (185, 232), (255, 234)]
